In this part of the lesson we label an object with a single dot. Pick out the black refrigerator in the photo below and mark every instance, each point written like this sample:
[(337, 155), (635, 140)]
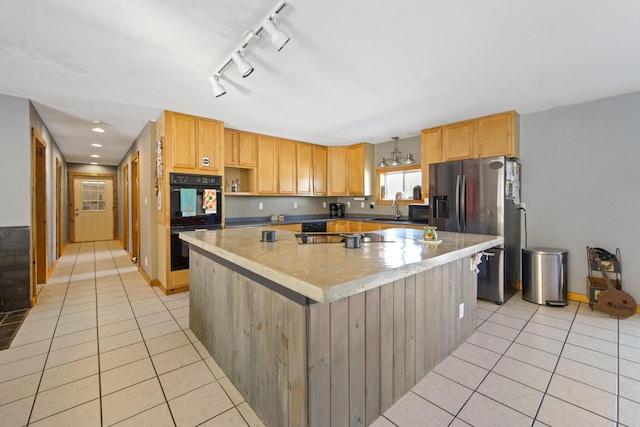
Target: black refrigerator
[(482, 196)]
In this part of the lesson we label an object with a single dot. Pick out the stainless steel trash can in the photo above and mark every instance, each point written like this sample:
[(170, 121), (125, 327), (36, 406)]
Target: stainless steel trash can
[(544, 276)]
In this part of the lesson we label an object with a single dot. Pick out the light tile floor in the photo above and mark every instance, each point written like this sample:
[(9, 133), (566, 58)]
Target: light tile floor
[(103, 348), (531, 365)]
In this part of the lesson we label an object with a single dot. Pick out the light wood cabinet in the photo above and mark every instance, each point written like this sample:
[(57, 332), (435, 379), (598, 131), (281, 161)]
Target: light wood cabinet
[(287, 179), (360, 170), (319, 170), (498, 135), (338, 226), (305, 175), (267, 164), (350, 170), (194, 144), (289, 227), (430, 152), (337, 169), (240, 148), (458, 142)]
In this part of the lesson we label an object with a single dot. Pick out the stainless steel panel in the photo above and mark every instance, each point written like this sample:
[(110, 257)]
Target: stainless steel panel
[(484, 195), (491, 285), (443, 194)]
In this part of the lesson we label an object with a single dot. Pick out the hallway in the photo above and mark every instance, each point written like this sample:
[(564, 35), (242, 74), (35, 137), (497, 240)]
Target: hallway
[(103, 348)]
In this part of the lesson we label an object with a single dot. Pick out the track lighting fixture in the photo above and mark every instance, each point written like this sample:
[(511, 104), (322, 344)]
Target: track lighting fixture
[(243, 66), (278, 38), (218, 89), (395, 154)]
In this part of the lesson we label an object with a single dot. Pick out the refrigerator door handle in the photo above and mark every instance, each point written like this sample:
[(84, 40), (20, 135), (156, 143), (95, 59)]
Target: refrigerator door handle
[(463, 203), (458, 204)]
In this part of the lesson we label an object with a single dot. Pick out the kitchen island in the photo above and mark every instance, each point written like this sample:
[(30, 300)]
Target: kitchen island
[(321, 334)]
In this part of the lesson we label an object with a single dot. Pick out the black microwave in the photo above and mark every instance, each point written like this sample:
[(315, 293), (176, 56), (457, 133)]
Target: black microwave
[(419, 213)]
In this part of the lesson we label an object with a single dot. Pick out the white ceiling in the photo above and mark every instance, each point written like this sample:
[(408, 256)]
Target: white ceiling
[(354, 70)]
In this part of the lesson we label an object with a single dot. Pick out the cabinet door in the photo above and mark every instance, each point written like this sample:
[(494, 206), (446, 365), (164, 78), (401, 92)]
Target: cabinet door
[(231, 147), (337, 168), (355, 169), (431, 152), (286, 166), (305, 168), (182, 140), (209, 154), (319, 170), (267, 165), (338, 226), (247, 143), (458, 142), (496, 136)]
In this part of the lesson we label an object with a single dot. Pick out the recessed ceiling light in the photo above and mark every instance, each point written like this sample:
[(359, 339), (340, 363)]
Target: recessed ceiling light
[(96, 145), (98, 129), (95, 156), (94, 163)]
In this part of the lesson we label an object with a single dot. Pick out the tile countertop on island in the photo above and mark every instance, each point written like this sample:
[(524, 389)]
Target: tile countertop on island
[(328, 272)]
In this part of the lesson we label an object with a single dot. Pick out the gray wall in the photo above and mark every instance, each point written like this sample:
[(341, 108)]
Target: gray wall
[(144, 145), (580, 175), (15, 161)]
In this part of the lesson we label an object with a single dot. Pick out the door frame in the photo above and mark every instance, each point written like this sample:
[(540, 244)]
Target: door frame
[(58, 208), (71, 186), (135, 207), (125, 207), (38, 212)]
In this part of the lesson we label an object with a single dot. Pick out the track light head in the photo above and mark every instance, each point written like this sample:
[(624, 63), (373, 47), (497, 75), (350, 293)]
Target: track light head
[(278, 37), (218, 89), (243, 66)]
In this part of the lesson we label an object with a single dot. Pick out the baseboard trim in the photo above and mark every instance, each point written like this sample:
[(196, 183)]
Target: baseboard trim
[(184, 288)]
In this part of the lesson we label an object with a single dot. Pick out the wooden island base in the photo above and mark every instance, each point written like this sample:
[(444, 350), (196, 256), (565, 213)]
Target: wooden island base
[(302, 363)]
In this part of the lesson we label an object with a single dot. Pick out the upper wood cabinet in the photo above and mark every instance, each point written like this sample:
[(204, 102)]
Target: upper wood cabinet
[(337, 169), (458, 142), (319, 170), (240, 148), (430, 152), (287, 175), (193, 144), (267, 165), (350, 170), (305, 175), (498, 135)]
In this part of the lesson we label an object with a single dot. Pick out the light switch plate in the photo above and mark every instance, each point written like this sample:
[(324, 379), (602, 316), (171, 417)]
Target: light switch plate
[(260, 205)]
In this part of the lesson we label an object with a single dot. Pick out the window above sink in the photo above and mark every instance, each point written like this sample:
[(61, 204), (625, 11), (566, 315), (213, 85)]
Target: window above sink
[(399, 179)]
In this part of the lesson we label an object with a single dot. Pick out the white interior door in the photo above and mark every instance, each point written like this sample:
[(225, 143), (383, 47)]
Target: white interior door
[(93, 202)]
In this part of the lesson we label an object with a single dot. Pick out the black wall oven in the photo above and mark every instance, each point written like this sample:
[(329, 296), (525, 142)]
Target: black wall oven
[(195, 203)]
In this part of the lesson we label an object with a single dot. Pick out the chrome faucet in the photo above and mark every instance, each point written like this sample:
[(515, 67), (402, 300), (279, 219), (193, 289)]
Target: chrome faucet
[(396, 205)]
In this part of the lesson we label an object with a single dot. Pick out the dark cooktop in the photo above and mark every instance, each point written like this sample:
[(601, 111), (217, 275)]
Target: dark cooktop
[(313, 238)]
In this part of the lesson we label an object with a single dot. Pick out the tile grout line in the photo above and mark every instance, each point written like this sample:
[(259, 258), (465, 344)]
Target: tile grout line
[(95, 287)]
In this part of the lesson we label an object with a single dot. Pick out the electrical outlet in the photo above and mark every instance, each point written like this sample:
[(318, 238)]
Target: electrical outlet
[(324, 204), (146, 263), (295, 205), (461, 311), (348, 204), (260, 205), (362, 204)]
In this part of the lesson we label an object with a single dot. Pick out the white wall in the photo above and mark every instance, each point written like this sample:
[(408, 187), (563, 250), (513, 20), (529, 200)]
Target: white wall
[(15, 162), (580, 182)]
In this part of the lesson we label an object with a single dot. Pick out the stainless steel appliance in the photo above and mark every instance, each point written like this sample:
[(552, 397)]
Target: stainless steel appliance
[(481, 196), (419, 213), (314, 226), (195, 203), (336, 210)]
